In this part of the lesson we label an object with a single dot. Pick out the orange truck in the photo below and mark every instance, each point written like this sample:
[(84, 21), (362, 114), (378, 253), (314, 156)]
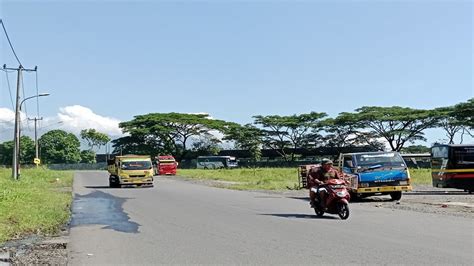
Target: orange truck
[(166, 165)]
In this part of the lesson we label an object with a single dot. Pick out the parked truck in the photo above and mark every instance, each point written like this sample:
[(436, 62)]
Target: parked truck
[(130, 170), (369, 173), (373, 173)]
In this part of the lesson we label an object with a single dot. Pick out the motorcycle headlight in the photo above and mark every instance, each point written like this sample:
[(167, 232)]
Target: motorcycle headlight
[(341, 193)]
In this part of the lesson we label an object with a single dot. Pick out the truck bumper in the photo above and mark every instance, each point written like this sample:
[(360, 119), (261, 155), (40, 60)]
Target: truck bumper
[(385, 189), (144, 181)]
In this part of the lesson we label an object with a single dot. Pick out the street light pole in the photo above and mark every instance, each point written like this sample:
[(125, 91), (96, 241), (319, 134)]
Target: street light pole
[(19, 135), (36, 138)]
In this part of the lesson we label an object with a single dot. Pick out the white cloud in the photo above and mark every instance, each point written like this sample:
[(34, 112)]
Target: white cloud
[(7, 116), (76, 118)]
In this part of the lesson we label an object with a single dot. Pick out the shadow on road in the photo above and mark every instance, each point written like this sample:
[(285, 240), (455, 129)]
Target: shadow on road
[(299, 216), (104, 209)]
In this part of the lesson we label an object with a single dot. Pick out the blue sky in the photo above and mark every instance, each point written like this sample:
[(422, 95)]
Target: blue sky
[(106, 61)]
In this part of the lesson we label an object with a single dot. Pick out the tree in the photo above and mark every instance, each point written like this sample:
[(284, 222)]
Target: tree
[(170, 130), (449, 123), (206, 146), (397, 125), (281, 132), (94, 138), (342, 132), (246, 137), (415, 149), (58, 146), (464, 114), (26, 155), (88, 156)]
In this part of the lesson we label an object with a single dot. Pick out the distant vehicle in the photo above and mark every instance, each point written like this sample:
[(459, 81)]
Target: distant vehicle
[(452, 166), (216, 162), (166, 165), (374, 173), (130, 170)]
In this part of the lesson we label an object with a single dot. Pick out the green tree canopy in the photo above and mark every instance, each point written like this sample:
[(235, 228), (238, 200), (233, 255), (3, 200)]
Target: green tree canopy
[(26, 155), (397, 125), (94, 138), (169, 130), (416, 149), (247, 137), (464, 114), (88, 156), (58, 146), (295, 131), (342, 132)]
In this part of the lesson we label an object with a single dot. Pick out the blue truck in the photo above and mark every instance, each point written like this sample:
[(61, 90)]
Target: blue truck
[(375, 173)]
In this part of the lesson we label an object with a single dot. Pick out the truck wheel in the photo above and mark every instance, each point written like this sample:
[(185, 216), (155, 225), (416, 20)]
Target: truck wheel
[(396, 195), (355, 197)]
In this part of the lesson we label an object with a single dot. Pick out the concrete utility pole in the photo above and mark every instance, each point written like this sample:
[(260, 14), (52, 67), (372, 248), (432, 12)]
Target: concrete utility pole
[(36, 137), (16, 136)]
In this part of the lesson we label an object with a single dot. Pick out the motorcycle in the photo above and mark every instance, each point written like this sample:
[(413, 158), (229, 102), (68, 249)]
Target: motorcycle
[(337, 199)]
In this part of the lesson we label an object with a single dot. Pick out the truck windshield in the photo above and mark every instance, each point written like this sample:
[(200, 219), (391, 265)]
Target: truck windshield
[(379, 160), (136, 165)]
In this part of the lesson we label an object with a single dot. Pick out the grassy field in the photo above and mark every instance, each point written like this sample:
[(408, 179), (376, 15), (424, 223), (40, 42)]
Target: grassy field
[(39, 202), (272, 178)]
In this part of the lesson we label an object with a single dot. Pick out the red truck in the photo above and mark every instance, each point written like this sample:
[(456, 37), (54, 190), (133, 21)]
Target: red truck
[(165, 165)]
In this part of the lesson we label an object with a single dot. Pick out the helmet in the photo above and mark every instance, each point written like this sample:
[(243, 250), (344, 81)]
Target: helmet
[(326, 161)]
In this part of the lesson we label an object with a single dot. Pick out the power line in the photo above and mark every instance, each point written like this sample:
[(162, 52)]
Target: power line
[(8, 38), (9, 88)]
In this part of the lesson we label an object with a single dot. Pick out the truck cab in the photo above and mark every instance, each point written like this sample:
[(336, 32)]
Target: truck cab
[(130, 170), (373, 173)]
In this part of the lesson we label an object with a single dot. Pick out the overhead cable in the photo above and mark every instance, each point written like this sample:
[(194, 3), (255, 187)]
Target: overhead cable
[(9, 42)]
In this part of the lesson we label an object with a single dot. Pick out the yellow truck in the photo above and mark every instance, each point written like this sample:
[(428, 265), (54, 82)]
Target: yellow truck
[(130, 170)]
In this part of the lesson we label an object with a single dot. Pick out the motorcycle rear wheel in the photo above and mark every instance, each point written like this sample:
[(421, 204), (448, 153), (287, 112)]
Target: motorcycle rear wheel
[(343, 210)]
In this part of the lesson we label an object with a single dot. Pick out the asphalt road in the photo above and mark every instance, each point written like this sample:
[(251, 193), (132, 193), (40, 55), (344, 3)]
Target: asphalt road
[(177, 222)]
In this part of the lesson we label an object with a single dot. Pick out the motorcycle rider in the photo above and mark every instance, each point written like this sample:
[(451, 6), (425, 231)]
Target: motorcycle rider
[(318, 176)]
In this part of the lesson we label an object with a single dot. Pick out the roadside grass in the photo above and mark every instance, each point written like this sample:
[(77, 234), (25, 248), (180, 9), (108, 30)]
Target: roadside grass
[(248, 178), (38, 203), (420, 176), (271, 178)]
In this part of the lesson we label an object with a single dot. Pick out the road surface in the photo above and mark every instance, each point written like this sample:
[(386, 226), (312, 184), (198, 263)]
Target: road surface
[(178, 222)]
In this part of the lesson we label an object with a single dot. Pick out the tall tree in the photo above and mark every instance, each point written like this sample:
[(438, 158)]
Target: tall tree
[(58, 146), (247, 137), (172, 129), (342, 132), (27, 151), (464, 114), (282, 132), (397, 125), (88, 156), (94, 138)]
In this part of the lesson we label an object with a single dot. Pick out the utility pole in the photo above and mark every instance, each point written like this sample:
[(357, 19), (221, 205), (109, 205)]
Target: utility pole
[(16, 136), (36, 138)]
